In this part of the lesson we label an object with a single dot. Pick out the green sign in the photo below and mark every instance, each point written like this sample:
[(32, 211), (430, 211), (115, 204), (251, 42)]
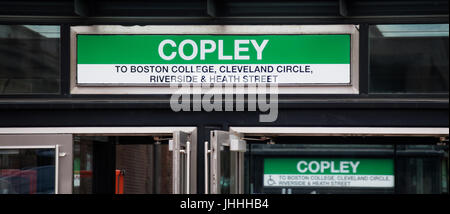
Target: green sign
[(154, 59), (213, 49), (329, 172)]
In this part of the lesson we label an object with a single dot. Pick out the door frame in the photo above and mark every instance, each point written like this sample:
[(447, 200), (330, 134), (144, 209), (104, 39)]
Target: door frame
[(98, 130), (61, 143), (341, 131), (39, 146), (219, 140), (12, 135), (242, 132)]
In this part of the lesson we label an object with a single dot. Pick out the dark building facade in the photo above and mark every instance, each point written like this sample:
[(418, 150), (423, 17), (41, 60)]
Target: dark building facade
[(59, 136)]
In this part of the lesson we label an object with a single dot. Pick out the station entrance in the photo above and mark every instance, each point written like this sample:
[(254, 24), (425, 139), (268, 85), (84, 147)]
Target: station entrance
[(134, 164), (243, 160), (333, 161), (107, 160)]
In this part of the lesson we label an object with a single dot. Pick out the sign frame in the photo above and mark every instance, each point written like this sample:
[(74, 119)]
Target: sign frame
[(295, 88), (325, 177)]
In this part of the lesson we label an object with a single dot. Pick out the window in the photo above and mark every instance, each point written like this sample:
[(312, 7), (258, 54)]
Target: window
[(27, 171), (411, 58), (29, 59)]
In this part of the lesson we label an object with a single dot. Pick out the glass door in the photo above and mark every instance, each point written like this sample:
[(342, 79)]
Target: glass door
[(224, 164), (158, 163), (35, 164), (184, 163)]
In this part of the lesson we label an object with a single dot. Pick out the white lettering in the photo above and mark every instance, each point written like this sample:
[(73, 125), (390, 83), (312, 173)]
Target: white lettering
[(221, 56), (238, 49), (344, 166), (161, 49), (333, 170), (259, 48), (324, 165), (204, 50), (194, 49), (317, 166), (354, 166), (299, 166)]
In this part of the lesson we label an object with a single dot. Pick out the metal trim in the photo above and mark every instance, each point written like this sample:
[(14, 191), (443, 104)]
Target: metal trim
[(55, 147), (351, 88), (28, 147), (96, 130), (340, 131), (57, 169)]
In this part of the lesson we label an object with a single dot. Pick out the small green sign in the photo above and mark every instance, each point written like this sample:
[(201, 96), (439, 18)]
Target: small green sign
[(348, 166), (329, 172)]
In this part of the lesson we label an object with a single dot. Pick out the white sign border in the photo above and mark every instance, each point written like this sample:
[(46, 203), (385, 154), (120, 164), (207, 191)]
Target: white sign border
[(353, 30)]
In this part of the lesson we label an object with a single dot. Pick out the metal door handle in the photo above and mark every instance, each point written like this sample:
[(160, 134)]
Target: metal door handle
[(188, 165), (207, 151)]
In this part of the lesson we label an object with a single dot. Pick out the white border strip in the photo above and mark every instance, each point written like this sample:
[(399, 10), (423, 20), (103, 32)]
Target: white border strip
[(57, 169), (338, 131), (215, 29), (28, 147), (97, 130)]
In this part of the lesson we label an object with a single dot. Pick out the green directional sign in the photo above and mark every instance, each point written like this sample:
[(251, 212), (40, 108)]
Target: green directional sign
[(329, 172), (162, 59), (213, 49)]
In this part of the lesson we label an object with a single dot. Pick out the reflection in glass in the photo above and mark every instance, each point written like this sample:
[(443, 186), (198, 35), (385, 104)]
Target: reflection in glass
[(424, 169), (225, 170), (146, 168), (27, 171), (409, 58), (142, 165), (82, 165), (29, 59), (414, 30), (420, 168)]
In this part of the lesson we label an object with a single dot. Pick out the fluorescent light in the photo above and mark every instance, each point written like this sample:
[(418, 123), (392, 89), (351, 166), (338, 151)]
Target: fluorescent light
[(414, 30), (9, 152), (45, 30)]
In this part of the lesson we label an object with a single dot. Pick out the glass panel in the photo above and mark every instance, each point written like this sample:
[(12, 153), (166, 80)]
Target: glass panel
[(27, 171), (416, 166), (142, 165), (183, 170), (367, 161), (444, 175), (421, 170), (163, 168), (419, 175), (410, 58), (29, 59), (225, 170), (145, 168), (82, 165)]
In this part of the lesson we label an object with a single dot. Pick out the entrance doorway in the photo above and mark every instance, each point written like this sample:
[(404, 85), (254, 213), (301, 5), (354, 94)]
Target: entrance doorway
[(121, 160), (333, 161), (135, 164)]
